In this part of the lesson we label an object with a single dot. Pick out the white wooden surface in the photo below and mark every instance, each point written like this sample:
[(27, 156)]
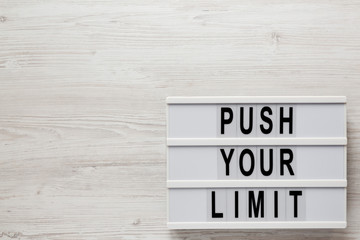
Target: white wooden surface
[(82, 102)]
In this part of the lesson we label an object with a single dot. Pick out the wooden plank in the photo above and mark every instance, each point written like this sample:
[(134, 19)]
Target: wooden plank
[(83, 87)]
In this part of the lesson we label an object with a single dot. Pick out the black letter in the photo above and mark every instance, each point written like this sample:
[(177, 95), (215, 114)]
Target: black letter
[(227, 159), (243, 130), (286, 162), (213, 211), (295, 194), (268, 172), (223, 120), (266, 119), (276, 204), (236, 204), (259, 204), (241, 158), (284, 119)]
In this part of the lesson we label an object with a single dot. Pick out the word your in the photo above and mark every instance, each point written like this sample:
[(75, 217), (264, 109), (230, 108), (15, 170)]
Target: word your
[(247, 160)]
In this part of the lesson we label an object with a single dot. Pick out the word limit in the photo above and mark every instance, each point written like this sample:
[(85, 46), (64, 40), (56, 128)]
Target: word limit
[(256, 204)]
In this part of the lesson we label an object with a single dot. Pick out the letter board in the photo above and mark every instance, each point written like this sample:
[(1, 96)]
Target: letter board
[(256, 162)]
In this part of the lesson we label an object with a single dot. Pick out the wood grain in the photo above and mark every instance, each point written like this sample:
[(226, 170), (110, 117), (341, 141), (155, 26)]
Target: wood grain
[(82, 102)]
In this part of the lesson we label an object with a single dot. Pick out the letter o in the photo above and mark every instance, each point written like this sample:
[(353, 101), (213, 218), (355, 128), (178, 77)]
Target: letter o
[(241, 160)]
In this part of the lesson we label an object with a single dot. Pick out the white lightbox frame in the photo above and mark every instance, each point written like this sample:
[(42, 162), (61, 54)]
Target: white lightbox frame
[(208, 100)]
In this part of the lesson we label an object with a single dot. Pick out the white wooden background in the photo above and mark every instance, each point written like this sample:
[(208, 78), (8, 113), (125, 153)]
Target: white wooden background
[(82, 102)]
